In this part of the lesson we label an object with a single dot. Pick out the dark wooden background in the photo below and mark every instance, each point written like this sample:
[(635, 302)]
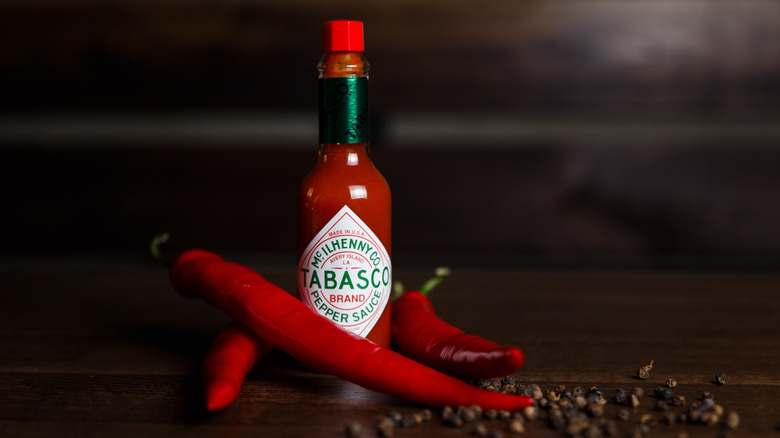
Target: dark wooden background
[(543, 130)]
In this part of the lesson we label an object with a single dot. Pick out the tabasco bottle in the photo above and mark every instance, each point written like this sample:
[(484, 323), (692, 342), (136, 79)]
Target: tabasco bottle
[(344, 269)]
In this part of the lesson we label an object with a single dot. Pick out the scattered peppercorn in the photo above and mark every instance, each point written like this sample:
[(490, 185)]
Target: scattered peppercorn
[(536, 392), (621, 396), (454, 420), (531, 413), (353, 430), (648, 419), (644, 372), (468, 414), (479, 429), (580, 412), (395, 416), (595, 409), (409, 420), (516, 426), (732, 420), (385, 427), (720, 379)]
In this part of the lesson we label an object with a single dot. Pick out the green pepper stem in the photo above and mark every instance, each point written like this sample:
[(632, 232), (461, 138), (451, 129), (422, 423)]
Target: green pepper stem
[(154, 247), (441, 273)]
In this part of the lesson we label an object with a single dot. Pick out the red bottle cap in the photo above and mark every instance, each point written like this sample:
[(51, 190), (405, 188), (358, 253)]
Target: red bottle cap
[(342, 36)]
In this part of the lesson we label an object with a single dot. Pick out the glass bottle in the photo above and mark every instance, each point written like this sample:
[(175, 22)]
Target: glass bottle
[(344, 268)]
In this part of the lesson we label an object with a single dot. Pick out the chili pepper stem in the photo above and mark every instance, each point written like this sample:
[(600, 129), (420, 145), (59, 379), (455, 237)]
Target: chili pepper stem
[(441, 273), (154, 247), (398, 290)]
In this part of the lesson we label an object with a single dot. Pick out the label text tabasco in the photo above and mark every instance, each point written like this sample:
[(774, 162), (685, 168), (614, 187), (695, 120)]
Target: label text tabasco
[(345, 273)]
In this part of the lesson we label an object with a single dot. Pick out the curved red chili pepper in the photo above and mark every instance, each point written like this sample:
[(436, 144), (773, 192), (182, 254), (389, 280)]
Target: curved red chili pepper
[(288, 324), (234, 353), (426, 338)]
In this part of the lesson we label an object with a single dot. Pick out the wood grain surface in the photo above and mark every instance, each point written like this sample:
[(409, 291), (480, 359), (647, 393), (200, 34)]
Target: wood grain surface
[(102, 346)]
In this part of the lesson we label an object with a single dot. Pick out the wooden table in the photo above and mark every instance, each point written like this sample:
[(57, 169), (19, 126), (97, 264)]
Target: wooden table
[(102, 346)]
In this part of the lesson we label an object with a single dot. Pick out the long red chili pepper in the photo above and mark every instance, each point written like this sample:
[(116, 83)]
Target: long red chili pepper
[(288, 324), (234, 353), (426, 338)]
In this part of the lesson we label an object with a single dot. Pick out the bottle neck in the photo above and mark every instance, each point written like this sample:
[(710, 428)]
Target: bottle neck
[(343, 98), (343, 64)]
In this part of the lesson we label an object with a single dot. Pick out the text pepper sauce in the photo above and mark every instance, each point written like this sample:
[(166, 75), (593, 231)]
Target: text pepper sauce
[(344, 269)]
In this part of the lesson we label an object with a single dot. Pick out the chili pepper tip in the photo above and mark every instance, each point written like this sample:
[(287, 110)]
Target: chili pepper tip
[(220, 394)]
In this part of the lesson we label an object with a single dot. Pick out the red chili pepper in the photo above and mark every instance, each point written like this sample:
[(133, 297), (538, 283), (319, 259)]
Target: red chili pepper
[(426, 338), (288, 324), (234, 353)]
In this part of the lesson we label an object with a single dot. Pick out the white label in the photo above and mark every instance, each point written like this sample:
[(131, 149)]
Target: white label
[(345, 273)]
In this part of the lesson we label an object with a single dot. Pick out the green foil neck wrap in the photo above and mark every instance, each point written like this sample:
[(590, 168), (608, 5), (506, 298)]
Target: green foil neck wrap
[(344, 110)]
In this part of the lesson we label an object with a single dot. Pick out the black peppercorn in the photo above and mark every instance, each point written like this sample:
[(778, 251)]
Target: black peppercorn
[(516, 426), (395, 416), (408, 420), (454, 420), (732, 420), (648, 419), (644, 372), (530, 413), (385, 427), (353, 430), (509, 388), (621, 396), (479, 430), (468, 414)]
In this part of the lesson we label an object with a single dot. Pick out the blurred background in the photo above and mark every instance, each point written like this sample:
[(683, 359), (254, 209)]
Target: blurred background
[(534, 132)]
